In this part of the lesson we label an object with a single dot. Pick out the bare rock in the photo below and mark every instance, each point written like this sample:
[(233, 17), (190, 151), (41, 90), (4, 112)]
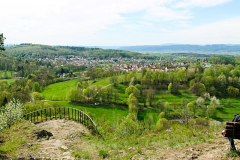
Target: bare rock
[(43, 134)]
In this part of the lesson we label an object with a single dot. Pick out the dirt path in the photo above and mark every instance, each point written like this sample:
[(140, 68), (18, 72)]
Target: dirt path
[(63, 131), (215, 150)]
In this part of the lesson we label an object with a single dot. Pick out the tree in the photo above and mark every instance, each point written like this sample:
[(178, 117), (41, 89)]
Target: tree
[(191, 106), (184, 102), (233, 92), (37, 96), (200, 101), (167, 108), (214, 101), (223, 102), (139, 87), (132, 89), (133, 106), (206, 96), (11, 114), (198, 88), (160, 106), (114, 80), (36, 87), (2, 42), (170, 87), (181, 75), (212, 111), (223, 84)]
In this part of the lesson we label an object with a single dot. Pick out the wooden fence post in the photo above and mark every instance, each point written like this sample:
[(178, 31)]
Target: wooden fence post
[(55, 114), (46, 114)]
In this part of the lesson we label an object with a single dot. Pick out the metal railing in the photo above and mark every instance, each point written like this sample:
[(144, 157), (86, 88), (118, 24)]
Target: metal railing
[(61, 113)]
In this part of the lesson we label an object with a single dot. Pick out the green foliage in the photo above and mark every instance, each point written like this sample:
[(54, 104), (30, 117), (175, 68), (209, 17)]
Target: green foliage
[(37, 96), (132, 90), (162, 124), (214, 101), (199, 121), (170, 87), (2, 42), (233, 92), (212, 111), (36, 87), (162, 115), (11, 113), (139, 87), (128, 127), (200, 101), (198, 88), (103, 154)]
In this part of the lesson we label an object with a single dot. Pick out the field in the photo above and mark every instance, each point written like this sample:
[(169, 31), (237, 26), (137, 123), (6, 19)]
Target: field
[(58, 91), (10, 81), (7, 75), (110, 113)]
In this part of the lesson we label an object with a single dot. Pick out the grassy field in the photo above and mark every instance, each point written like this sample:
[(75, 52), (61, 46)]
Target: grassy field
[(10, 81), (111, 113), (8, 74), (58, 91)]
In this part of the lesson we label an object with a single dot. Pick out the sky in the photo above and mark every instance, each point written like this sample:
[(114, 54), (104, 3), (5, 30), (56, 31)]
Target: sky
[(120, 22)]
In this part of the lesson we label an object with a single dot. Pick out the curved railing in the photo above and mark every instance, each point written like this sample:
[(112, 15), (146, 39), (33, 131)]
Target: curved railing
[(61, 113)]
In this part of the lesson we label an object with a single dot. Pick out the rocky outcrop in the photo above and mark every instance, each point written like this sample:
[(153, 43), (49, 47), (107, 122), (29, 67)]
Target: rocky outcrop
[(43, 134)]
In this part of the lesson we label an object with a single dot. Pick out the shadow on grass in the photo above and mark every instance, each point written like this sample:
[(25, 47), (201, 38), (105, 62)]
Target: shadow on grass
[(222, 110), (223, 119), (103, 106)]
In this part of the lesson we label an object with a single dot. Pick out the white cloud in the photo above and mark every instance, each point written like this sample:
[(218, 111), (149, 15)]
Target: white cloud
[(199, 3), (78, 18), (168, 14), (79, 22), (221, 32)]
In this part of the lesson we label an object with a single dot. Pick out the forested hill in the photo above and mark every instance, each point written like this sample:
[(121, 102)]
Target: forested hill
[(36, 50), (220, 48)]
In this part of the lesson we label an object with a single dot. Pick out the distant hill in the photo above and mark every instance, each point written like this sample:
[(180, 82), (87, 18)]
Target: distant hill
[(37, 50), (215, 48)]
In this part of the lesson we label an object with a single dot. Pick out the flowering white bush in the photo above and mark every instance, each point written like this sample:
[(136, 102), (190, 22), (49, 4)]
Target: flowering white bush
[(214, 101), (200, 101), (206, 96), (11, 113)]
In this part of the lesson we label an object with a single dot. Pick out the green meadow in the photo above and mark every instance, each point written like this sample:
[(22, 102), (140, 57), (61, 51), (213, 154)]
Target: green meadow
[(111, 113), (10, 81), (58, 91)]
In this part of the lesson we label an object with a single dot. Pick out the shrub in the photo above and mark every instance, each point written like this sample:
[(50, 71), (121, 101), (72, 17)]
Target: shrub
[(206, 96), (202, 121), (11, 114), (162, 124), (214, 101), (162, 115), (128, 127), (212, 111), (37, 96), (200, 101)]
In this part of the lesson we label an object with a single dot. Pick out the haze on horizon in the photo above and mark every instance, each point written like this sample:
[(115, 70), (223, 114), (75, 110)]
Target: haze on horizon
[(120, 22)]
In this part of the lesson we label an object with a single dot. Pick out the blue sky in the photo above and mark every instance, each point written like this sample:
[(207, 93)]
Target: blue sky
[(120, 22)]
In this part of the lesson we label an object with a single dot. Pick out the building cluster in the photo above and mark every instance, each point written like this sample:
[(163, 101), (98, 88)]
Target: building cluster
[(120, 63)]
